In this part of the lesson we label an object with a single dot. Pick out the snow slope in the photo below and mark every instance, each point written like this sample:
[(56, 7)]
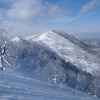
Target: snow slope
[(68, 51), (21, 84)]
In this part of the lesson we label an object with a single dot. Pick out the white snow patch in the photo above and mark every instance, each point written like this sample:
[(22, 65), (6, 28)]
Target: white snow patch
[(16, 39)]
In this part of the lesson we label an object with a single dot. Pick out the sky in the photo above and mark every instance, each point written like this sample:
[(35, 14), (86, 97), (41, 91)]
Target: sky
[(28, 17)]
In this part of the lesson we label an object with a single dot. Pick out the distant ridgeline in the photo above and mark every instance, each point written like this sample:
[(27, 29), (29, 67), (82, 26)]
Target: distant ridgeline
[(83, 45)]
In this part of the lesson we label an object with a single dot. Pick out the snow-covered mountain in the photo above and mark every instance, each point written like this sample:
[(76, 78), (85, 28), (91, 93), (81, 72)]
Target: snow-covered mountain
[(16, 39), (75, 55), (58, 58), (68, 49)]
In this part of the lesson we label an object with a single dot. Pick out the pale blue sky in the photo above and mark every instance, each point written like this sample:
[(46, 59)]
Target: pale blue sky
[(27, 17)]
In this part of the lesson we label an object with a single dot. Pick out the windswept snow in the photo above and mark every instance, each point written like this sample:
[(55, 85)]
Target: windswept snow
[(19, 85)]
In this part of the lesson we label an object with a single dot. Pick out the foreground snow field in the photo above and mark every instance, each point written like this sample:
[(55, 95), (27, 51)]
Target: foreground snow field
[(21, 84)]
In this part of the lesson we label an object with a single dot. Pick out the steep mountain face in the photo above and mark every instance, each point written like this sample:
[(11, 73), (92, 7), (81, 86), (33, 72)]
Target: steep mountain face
[(69, 50), (59, 59)]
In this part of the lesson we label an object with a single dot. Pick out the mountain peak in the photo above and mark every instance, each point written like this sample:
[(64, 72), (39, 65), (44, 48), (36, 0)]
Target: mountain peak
[(16, 39), (50, 31), (68, 48), (54, 35)]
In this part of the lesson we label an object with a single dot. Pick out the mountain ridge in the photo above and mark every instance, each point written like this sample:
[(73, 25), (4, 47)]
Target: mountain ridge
[(57, 45), (51, 49)]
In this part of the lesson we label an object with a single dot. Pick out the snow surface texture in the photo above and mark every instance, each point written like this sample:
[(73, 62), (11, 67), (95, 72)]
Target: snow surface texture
[(68, 51), (21, 84)]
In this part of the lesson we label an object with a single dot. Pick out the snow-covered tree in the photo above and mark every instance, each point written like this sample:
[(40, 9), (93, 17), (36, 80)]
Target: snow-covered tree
[(3, 42), (54, 73)]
